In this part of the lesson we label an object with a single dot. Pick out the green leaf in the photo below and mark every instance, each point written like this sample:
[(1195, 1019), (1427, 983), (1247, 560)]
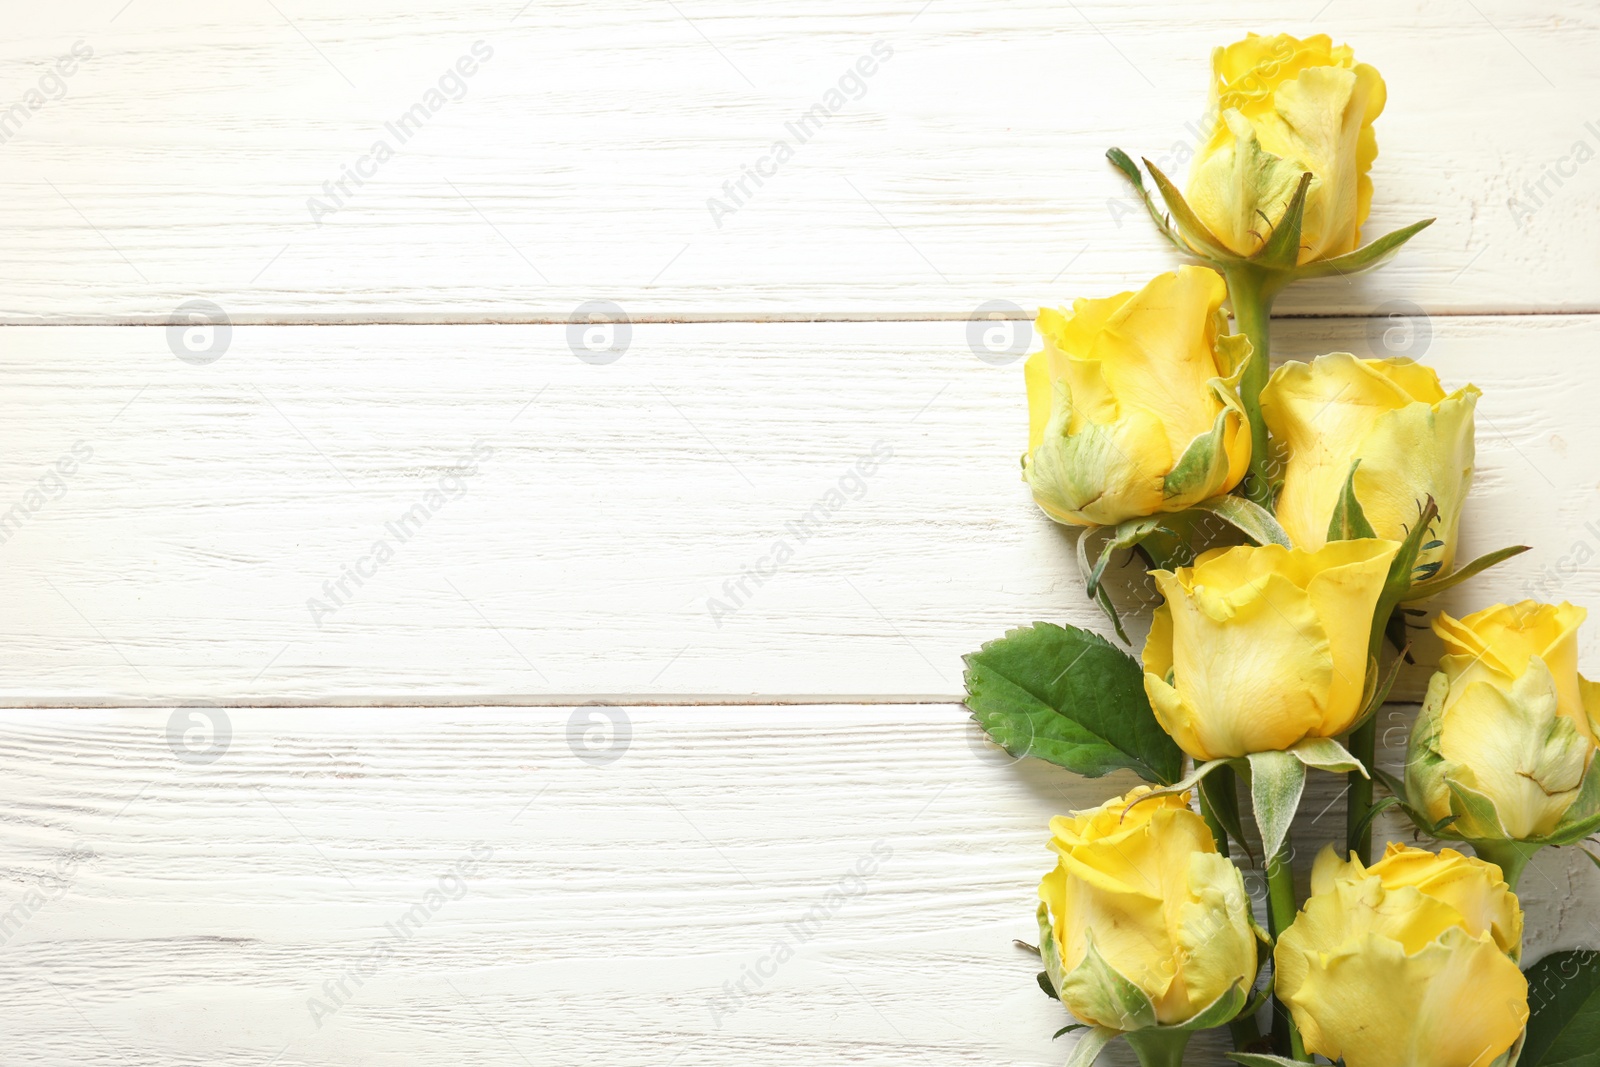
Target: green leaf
[(1250, 518), (1259, 1059), (1564, 1011), (1435, 586), (1069, 697), (1349, 521), (1282, 249), (1090, 1045), (1276, 781), (1372, 255)]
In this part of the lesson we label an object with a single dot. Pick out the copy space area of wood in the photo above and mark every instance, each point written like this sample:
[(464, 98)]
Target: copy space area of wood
[(635, 865), (579, 159), (614, 539)]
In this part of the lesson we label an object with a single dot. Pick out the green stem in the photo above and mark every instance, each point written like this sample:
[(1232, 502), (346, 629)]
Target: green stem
[(1280, 913), (1510, 856), (1158, 1048), (1252, 291), (1363, 746)]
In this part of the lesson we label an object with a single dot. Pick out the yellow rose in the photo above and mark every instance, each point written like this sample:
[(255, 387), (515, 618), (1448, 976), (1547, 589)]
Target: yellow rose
[(1409, 963), (1412, 440), (1143, 923), (1133, 404), (1256, 649), (1507, 734), (1284, 107)]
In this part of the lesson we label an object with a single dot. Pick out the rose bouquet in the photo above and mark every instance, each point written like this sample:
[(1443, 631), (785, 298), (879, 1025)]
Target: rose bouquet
[(1292, 523)]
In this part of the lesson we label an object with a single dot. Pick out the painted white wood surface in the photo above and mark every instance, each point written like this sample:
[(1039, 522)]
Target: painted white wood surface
[(578, 162), (617, 503), (212, 901)]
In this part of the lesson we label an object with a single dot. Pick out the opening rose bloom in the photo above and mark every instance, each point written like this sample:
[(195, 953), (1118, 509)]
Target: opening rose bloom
[(1283, 107), (1412, 439), (1507, 719), (1133, 405), (1256, 649), (1409, 963), (1140, 895)]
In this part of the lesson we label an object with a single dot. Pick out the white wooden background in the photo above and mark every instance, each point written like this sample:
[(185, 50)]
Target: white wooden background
[(191, 892)]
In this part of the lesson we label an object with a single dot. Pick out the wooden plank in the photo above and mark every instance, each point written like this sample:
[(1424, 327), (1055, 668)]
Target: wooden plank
[(180, 160), (211, 898), (600, 547)]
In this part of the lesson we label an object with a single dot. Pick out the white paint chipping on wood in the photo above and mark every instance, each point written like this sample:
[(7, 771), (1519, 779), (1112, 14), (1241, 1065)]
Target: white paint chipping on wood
[(220, 896), (617, 503), (579, 160)]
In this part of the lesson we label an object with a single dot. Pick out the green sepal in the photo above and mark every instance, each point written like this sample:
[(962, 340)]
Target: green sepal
[(1582, 817), (1204, 462), (1277, 779), (1052, 974), (1120, 160), (1359, 832), (1184, 784), (1201, 239), (1349, 521), (1249, 518), (1326, 754), (1219, 1012), (1106, 993), (1090, 1045), (1282, 249), (1434, 586), (1378, 689), (1473, 811), (1397, 584), (1365, 258), (1069, 697), (1221, 792), (1043, 978)]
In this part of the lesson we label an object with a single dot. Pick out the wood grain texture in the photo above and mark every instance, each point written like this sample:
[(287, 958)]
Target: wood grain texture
[(211, 901), (579, 160), (618, 502)]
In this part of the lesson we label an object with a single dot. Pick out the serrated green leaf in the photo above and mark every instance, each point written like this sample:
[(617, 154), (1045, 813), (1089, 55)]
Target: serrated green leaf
[(1276, 781), (1349, 522), (1250, 518), (1069, 697), (1372, 255), (1422, 590), (1564, 1011)]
